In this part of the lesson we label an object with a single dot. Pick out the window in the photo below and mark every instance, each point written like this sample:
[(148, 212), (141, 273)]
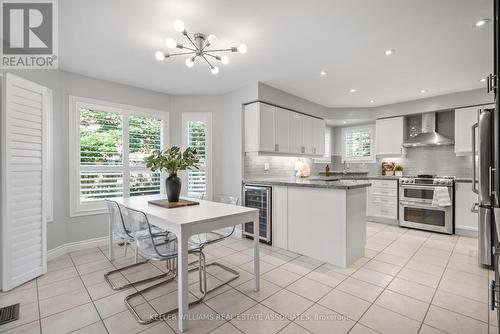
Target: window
[(327, 156), (358, 144), (110, 143), (197, 133)]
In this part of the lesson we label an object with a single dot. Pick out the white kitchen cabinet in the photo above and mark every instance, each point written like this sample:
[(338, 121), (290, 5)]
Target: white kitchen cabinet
[(466, 222), (464, 119), (319, 136), (259, 127), (307, 135), (382, 200), (295, 133), (282, 134), (389, 136), (271, 129)]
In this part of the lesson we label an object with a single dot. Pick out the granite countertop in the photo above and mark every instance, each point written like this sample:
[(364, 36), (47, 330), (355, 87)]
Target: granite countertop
[(345, 184)]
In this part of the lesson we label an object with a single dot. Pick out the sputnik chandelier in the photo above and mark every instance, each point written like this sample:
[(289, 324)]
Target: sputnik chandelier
[(200, 43)]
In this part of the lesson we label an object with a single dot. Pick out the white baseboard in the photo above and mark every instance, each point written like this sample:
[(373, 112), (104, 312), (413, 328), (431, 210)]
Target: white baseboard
[(76, 246), (466, 232)]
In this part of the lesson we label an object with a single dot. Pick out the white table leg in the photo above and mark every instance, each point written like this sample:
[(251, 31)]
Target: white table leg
[(256, 258), (182, 271), (111, 241)]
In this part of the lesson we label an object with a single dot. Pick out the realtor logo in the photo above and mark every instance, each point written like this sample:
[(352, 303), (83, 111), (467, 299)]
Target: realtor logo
[(29, 34)]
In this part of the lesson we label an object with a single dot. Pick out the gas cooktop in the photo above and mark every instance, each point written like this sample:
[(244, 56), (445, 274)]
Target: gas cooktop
[(428, 179)]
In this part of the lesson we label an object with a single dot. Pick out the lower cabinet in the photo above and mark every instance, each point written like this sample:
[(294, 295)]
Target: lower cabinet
[(382, 200), (466, 222)]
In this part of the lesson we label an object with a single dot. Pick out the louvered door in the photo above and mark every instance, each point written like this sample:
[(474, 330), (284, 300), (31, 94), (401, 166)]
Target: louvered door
[(24, 241)]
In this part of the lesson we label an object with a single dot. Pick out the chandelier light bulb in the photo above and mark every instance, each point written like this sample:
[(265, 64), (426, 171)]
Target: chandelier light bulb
[(171, 43), (242, 48), (224, 60), (179, 26), (211, 39), (190, 62), (215, 70), (159, 55)]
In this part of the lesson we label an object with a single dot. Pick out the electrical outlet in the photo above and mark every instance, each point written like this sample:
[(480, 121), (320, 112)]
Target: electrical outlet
[(266, 166)]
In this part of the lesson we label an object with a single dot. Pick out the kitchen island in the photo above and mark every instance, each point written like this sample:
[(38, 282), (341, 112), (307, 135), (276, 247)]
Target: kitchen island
[(325, 220)]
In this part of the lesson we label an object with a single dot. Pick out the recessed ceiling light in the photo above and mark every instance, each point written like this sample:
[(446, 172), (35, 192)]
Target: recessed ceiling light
[(323, 73), (372, 101), (352, 90), (345, 122), (483, 80), (423, 91), (389, 52), (481, 23)]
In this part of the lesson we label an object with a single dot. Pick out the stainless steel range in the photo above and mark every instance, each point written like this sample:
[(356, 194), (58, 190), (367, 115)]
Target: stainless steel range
[(416, 208)]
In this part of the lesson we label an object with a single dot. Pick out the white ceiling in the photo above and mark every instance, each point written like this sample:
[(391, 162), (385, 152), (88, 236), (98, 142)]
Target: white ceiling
[(289, 43)]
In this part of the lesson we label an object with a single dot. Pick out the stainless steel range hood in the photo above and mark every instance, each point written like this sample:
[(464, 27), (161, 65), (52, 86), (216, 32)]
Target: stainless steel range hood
[(428, 136)]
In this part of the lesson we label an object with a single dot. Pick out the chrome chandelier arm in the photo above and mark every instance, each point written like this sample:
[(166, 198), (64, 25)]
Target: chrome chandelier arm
[(189, 38), (179, 54), (233, 49), (209, 64), (180, 46)]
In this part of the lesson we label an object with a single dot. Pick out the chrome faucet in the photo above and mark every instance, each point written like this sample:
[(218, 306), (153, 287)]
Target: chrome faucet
[(346, 167)]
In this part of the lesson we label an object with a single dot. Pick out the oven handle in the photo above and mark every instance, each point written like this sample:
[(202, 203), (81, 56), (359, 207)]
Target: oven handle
[(430, 187), (430, 207)]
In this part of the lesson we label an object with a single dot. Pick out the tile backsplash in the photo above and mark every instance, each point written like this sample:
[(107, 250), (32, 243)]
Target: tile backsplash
[(440, 160)]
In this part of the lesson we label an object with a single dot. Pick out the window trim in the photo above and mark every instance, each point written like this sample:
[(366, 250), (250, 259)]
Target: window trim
[(327, 156), (75, 104), (204, 117), (368, 128)]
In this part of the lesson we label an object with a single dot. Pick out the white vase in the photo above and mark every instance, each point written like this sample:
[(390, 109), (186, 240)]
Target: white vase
[(399, 173)]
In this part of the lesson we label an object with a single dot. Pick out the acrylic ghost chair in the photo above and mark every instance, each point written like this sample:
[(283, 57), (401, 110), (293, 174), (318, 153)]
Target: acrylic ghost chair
[(161, 248), (122, 230)]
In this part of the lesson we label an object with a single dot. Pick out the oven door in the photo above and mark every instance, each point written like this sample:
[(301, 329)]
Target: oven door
[(425, 217), (416, 193)]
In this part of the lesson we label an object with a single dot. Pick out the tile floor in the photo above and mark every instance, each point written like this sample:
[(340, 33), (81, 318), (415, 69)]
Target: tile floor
[(409, 282)]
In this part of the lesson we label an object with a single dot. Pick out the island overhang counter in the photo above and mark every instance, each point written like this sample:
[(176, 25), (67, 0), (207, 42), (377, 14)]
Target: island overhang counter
[(325, 220)]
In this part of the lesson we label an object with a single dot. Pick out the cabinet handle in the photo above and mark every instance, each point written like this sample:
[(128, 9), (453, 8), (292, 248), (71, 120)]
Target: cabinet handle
[(314, 150), (276, 147), (303, 149)]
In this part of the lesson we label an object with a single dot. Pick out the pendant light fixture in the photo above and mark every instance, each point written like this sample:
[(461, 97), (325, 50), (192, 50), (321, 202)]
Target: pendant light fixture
[(199, 49)]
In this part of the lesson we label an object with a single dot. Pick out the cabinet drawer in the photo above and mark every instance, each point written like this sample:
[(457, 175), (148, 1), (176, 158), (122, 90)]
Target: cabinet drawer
[(384, 183), (384, 200), (391, 192), (383, 210)]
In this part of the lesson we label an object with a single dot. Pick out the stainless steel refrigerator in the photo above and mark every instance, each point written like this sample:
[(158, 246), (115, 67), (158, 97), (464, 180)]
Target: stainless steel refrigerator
[(486, 174)]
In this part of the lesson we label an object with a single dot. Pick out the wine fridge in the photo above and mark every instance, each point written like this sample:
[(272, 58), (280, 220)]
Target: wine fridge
[(259, 197)]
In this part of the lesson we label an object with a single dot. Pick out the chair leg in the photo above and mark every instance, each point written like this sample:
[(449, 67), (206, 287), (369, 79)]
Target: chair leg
[(120, 287), (136, 254), (126, 246)]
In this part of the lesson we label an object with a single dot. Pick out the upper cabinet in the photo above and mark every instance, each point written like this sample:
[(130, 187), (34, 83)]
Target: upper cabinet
[(464, 119), (389, 134), (271, 129), (296, 124)]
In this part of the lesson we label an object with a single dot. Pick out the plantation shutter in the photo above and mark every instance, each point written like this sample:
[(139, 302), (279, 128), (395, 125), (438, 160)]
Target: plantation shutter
[(24, 159), (327, 156), (358, 144), (101, 155), (197, 134), (144, 138), (197, 179)]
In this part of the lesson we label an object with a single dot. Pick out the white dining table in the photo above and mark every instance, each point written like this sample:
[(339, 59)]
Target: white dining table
[(188, 221)]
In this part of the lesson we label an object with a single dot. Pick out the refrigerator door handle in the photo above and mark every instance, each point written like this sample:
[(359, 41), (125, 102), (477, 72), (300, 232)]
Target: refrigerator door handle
[(474, 183), (475, 208)]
